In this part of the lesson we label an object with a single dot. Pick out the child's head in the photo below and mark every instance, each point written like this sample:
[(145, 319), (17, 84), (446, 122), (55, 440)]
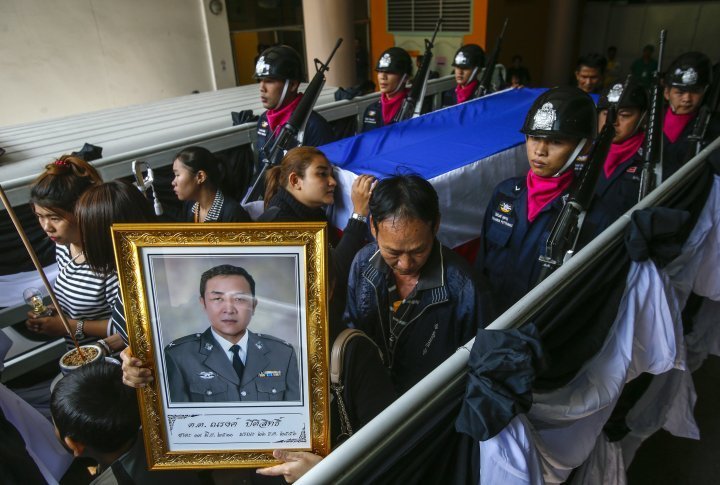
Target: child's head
[(93, 411)]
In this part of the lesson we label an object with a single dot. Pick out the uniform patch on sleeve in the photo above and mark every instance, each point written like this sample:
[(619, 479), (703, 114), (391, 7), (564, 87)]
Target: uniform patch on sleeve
[(503, 211)]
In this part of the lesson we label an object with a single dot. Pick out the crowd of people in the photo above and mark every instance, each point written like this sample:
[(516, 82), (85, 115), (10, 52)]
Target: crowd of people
[(391, 278)]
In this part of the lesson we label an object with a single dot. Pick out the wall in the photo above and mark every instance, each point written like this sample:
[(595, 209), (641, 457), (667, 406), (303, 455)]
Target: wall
[(446, 44), (526, 33), (690, 26), (72, 56)]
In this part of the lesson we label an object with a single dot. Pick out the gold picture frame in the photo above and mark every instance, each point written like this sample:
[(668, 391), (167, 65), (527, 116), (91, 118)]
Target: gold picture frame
[(159, 267)]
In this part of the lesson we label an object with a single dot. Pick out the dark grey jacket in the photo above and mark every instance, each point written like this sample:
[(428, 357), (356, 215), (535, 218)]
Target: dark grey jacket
[(448, 313), (198, 370)]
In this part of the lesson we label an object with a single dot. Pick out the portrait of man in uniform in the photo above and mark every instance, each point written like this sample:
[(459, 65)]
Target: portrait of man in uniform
[(228, 362)]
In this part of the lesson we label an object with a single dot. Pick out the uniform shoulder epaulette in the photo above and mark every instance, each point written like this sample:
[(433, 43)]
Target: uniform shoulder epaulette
[(274, 339), (187, 338)]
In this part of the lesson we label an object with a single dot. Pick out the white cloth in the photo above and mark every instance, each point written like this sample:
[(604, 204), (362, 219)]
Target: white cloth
[(13, 285), (40, 440), (696, 269), (565, 424), (604, 466), (463, 194)]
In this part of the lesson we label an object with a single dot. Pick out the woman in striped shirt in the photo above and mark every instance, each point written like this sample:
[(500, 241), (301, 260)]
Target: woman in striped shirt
[(85, 296), (98, 209)]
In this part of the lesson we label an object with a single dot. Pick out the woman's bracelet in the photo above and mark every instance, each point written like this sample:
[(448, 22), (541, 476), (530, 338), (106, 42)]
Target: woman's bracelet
[(105, 346)]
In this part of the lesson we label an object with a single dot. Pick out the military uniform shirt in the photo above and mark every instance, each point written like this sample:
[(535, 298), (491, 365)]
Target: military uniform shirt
[(199, 370)]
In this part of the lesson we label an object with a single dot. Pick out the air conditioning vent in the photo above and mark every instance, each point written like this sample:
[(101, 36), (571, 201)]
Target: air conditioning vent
[(421, 15)]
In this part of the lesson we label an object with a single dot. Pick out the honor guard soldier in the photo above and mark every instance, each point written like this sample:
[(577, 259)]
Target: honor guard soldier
[(686, 82), (393, 71), (560, 125), (619, 181), (279, 70), (467, 63)]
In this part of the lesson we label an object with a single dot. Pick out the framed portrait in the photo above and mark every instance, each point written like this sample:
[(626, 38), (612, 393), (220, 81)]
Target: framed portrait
[(232, 320)]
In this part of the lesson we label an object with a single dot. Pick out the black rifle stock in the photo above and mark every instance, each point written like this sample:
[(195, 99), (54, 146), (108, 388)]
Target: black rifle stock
[(561, 242), (710, 105), (651, 173), (289, 135), (412, 104), (486, 78)]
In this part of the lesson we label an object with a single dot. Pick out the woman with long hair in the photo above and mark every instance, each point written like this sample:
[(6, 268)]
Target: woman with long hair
[(97, 210), (200, 181), (85, 296), (298, 190)]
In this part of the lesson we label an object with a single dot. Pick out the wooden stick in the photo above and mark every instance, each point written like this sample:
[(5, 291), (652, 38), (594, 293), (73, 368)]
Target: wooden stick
[(38, 267)]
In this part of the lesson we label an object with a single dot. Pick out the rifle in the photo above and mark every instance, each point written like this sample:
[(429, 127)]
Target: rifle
[(651, 174), (711, 105), (291, 133), (560, 245), (412, 104), (487, 73)]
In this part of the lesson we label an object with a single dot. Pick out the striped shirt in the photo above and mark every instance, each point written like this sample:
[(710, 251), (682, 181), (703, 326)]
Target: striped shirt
[(214, 213), (82, 293)]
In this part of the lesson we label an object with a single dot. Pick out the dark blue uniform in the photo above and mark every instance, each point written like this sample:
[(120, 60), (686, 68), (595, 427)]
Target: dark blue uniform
[(318, 131), (675, 155), (511, 245), (449, 98), (372, 118), (614, 196)]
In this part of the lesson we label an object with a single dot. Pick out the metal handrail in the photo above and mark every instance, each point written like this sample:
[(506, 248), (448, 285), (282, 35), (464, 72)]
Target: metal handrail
[(345, 462), (160, 155)]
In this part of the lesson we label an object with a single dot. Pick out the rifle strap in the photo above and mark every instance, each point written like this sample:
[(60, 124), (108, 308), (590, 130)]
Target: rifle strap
[(572, 157)]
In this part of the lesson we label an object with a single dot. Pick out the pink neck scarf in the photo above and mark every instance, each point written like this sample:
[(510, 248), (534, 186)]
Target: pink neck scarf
[(463, 93), (674, 125), (543, 190), (391, 106), (621, 152), (279, 116)]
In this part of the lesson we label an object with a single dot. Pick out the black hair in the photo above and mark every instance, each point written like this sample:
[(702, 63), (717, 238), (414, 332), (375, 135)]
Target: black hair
[(199, 158), (101, 206), (63, 182), (593, 61), (404, 196), (225, 270), (92, 406)]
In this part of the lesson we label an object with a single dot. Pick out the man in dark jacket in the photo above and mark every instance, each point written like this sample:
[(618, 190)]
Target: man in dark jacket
[(414, 297)]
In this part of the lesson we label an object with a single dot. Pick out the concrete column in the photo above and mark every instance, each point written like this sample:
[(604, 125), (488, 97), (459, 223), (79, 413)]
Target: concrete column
[(219, 50), (561, 41), (324, 22)]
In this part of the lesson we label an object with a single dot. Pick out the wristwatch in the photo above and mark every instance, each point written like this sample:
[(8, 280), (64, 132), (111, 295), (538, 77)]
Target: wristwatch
[(79, 334), (357, 216)]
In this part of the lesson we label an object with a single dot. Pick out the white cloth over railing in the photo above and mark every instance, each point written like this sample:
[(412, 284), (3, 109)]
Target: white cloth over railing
[(562, 431)]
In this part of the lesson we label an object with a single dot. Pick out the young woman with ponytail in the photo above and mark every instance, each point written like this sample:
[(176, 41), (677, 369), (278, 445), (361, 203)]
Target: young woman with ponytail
[(299, 189), (199, 181)]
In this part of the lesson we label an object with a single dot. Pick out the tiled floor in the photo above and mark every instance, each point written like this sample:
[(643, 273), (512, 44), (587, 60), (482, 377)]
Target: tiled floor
[(665, 459)]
